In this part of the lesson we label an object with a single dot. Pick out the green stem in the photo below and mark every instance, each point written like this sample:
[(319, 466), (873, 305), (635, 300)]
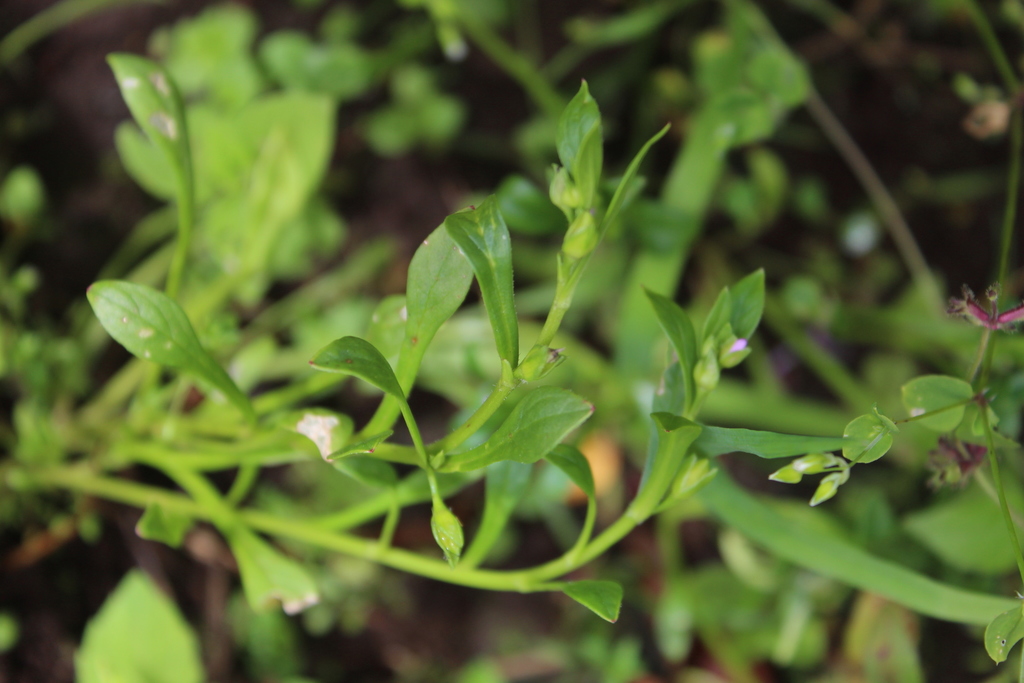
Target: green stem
[(243, 483), (475, 421), (543, 94), (991, 42), (993, 463)]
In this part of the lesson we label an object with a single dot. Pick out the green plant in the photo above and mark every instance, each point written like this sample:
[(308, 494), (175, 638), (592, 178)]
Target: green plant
[(243, 166)]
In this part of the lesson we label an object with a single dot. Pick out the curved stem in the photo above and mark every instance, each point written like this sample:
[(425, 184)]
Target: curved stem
[(993, 463), (991, 42)]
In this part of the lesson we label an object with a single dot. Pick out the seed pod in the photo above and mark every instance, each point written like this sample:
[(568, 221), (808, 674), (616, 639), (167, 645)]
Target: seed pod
[(447, 530)]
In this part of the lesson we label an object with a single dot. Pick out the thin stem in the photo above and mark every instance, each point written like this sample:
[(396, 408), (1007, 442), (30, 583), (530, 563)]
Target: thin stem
[(387, 532), (475, 421), (991, 42), (243, 483), (993, 463), (543, 94), (930, 413), (883, 201), (1012, 193)]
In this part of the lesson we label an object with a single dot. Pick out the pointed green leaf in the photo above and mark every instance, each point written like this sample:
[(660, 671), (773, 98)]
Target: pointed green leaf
[(358, 357), (483, 237), (268, 576), (587, 165), (868, 439), (152, 326), (364, 447), (935, 392), (718, 440), (138, 635), (575, 465), (747, 304), (1003, 633), (603, 598), (439, 278), (160, 524), (536, 425), (719, 316), (367, 471), (579, 118), (679, 329), (625, 183), (673, 437), (506, 483)]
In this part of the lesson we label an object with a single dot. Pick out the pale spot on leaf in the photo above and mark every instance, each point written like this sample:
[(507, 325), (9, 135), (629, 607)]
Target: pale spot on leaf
[(318, 429), (164, 124), (145, 333), (159, 82)]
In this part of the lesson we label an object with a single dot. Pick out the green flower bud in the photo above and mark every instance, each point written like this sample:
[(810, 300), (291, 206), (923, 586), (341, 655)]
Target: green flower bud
[(815, 463), (538, 363), (581, 237), (706, 372), (828, 487), (447, 530), (787, 475), (563, 192), (732, 351), (696, 473)]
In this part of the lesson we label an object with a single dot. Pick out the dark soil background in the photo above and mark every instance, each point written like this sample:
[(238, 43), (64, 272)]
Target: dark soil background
[(59, 105)]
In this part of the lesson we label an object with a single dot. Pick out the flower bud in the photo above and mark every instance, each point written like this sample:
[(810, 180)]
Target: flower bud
[(581, 237), (732, 351), (563, 192), (447, 530), (706, 372), (538, 363), (827, 488), (814, 463), (696, 474), (787, 475)]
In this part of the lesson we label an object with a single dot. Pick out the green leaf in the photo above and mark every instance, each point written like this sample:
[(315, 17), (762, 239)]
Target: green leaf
[(483, 237), (718, 440), (587, 165), (1003, 633), (776, 72), (364, 447), (673, 437), (719, 315), (138, 635), (677, 326), (156, 105), (153, 326), (740, 116), (439, 278), (795, 541), (622, 192), (367, 470), (966, 532), (160, 524), (934, 392), (579, 119), (603, 598), (575, 465), (868, 438), (526, 209), (145, 162), (358, 357), (342, 70), (269, 577), (22, 196), (747, 304), (506, 482), (536, 425)]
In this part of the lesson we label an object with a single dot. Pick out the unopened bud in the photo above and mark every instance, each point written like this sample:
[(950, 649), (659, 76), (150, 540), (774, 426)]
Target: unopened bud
[(447, 530), (827, 488), (787, 475), (581, 237), (814, 463), (707, 371), (538, 363), (695, 475), (563, 192), (732, 352)]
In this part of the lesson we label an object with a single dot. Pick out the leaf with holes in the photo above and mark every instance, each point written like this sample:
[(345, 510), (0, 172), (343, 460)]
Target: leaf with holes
[(152, 326), (1003, 633)]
